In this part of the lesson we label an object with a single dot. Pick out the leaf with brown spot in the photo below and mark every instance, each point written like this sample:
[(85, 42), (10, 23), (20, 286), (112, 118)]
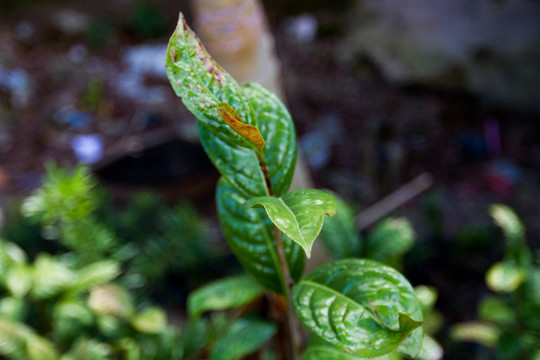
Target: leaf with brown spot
[(248, 132)]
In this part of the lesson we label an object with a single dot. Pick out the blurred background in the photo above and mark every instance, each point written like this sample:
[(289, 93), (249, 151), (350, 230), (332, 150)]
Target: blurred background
[(445, 94)]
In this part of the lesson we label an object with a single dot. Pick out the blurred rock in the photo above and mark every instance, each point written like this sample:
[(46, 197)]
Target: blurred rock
[(486, 47)]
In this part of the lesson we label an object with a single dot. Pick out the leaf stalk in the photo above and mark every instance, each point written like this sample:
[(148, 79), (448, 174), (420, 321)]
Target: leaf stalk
[(288, 284)]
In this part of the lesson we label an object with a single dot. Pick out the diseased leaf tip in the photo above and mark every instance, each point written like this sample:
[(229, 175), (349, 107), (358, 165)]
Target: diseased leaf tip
[(248, 132)]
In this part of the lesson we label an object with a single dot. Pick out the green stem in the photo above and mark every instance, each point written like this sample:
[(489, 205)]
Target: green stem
[(287, 279)]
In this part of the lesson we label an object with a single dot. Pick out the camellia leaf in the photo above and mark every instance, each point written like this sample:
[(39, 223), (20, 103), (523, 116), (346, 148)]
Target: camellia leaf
[(242, 338), (339, 234), (203, 85), (248, 132), (359, 306), (249, 234), (228, 293), (299, 214)]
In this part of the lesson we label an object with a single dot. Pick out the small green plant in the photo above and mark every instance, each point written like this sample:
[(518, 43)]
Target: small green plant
[(53, 309), (356, 307), (72, 209), (509, 320)]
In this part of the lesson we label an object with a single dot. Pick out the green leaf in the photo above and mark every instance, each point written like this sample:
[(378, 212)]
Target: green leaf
[(412, 343), (427, 296), (13, 308), (496, 310), (390, 237), (505, 277), (277, 129), (325, 352), (88, 349), (299, 214), (70, 318), (478, 332), (19, 341), (359, 306), (110, 299), (243, 337), (150, 321), (18, 280), (203, 85), (514, 233), (431, 349), (249, 234), (339, 234), (195, 336), (509, 222), (96, 274), (229, 293), (50, 277)]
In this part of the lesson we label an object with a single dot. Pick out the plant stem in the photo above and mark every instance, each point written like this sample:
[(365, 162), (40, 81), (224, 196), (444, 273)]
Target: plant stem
[(287, 279)]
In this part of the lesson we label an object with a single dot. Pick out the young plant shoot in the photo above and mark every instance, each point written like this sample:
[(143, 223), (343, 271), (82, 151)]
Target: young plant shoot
[(358, 308)]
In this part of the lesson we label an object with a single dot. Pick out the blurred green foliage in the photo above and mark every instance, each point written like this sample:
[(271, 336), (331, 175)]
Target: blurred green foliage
[(83, 298), (53, 308), (72, 210), (508, 320)]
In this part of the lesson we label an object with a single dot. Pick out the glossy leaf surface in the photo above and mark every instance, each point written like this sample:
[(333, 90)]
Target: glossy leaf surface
[(243, 337), (277, 129), (299, 214), (249, 234), (339, 234), (359, 306), (203, 85), (227, 293), (326, 352)]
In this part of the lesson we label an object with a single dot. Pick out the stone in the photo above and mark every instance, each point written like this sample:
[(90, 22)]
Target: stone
[(484, 47)]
